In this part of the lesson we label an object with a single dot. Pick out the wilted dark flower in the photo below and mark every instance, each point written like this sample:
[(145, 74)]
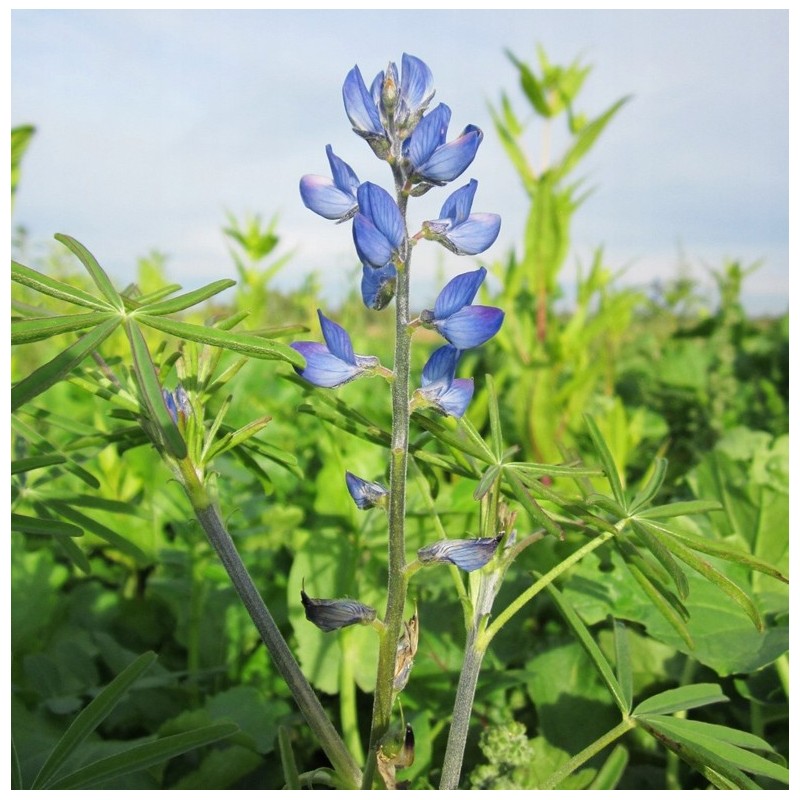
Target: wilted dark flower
[(466, 554), (365, 494), (330, 615)]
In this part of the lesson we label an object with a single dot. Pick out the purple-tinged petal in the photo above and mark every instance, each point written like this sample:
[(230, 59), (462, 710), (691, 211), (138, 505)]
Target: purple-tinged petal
[(330, 615), (416, 83), (441, 366), (466, 554), (454, 400), (378, 286), (337, 339), (457, 207), (169, 402), (429, 135), (458, 293), (365, 494), (447, 162), (322, 367), (344, 176), (471, 326), (321, 196), (360, 106), (476, 234), (372, 246), (377, 204)]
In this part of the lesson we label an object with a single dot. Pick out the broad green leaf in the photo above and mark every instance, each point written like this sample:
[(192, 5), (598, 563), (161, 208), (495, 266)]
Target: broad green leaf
[(681, 699), (36, 462), (33, 330), (144, 756), (53, 288), (591, 648), (687, 731), (87, 721), (43, 527), (246, 343), (648, 492), (606, 459), (610, 774), (187, 300), (653, 542), (622, 657), (680, 509), (151, 392), (56, 369), (98, 274)]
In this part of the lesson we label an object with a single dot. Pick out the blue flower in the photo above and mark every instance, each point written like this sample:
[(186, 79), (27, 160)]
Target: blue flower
[(378, 227), (431, 158), (365, 494), (440, 388), (330, 615), (378, 285), (466, 554), (416, 92), (335, 364), (361, 107), (332, 199), (453, 316), (177, 403), (458, 230)]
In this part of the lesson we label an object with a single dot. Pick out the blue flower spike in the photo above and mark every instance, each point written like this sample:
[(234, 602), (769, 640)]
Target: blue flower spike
[(331, 615), (434, 160), (333, 363), (378, 228), (460, 231), (331, 198), (466, 554), (366, 494), (440, 388), (378, 286), (456, 319)]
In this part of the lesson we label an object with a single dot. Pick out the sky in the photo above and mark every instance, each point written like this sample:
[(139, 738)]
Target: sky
[(152, 125)]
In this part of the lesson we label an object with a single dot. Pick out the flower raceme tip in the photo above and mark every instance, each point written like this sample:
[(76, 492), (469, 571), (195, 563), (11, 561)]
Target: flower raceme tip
[(333, 363), (460, 231), (456, 319), (332, 198)]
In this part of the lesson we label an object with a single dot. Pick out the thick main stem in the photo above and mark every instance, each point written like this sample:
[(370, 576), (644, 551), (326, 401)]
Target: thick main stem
[(396, 590), (330, 741)]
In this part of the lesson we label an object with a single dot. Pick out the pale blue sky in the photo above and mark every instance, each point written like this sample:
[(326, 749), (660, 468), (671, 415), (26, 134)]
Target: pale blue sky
[(152, 124)]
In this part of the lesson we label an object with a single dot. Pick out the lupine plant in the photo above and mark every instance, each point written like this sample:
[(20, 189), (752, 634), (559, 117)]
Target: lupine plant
[(532, 523)]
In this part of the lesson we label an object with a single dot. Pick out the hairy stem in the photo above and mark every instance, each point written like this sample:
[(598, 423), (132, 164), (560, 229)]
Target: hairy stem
[(282, 657)]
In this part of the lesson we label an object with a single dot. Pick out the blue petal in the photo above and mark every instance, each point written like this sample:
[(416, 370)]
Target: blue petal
[(378, 285), (416, 84), (359, 105), (428, 135), (344, 176), (467, 554), (337, 339), (371, 245), (457, 207), (447, 162), (441, 366), (458, 293), (471, 327), (454, 401), (365, 494), (322, 367), (169, 402), (377, 204), (476, 234), (324, 198)]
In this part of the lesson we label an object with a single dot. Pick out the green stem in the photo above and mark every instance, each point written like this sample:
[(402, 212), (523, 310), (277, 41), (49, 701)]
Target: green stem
[(593, 749), (347, 700), (462, 710), (542, 583), (304, 695), (396, 590)]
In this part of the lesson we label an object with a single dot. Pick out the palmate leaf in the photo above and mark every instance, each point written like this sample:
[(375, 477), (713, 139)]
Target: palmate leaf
[(53, 371), (661, 552), (98, 274)]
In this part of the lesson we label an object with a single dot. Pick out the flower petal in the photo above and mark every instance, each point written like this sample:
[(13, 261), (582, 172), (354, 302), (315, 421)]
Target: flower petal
[(441, 366), (322, 367), (344, 176), (377, 204), (457, 207), (471, 326), (378, 285), (429, 134), (359, 105), (458, 293), (467, 554), (330, 615), (372, 246), (416, 83), (337, 339), (476, 234), (365, 494), (454, 400), (447, 162), (324, 198)]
